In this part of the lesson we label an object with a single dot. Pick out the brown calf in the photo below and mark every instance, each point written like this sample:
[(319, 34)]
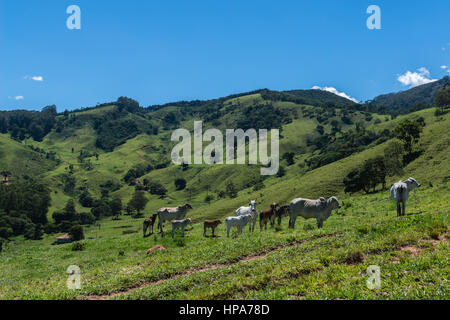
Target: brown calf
[(267, 215), (210, 224), (149, 222)]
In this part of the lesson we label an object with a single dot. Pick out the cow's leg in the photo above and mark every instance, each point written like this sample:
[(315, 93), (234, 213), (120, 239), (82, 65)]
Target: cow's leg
[(279, 220), (293, 222), (213, 231), (144, 229), (403, 207), (319, 223), (228, 231), (397, 204)]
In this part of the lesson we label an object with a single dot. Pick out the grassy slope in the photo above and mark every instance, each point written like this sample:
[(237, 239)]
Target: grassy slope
[(363, 233), (19, 159)]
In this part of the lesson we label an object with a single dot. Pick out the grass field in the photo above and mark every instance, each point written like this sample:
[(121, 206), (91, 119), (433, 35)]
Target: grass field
[(331, 263)]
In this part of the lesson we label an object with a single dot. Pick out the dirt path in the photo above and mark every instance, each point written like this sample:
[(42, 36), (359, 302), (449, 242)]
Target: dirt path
[(188, 272)]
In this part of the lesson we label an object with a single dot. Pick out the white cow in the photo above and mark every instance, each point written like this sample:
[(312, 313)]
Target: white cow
[(180, 224), (400, 192), (239, 221), (319, 209), (249, 210), (172, 213)]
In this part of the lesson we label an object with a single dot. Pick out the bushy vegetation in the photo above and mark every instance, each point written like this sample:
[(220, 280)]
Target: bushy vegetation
[(23, 209), (22, 124)]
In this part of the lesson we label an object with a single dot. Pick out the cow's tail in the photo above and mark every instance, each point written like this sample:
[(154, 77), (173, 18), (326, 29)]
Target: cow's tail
[(400, 192)]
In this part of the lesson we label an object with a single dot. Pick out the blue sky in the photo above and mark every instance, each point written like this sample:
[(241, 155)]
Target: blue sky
[(161, 51)]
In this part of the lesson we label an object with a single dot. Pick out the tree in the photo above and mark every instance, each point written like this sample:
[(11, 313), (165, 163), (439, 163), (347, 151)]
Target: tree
[(289, 157), (320, 129), (116, 206), (442, 98), (408, 131), (157, 188), (35, 232), (101, 208), (231, 190), (180, 184), (393, 155), (281, 172), (335, 126), (372, 173), (77, 232), (69, 210), (138, 202), (86, 199), (209, 198), (128, 104), (352, 181)]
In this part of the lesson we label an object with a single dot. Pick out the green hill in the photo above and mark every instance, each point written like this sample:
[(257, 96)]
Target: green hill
[(115, 149)]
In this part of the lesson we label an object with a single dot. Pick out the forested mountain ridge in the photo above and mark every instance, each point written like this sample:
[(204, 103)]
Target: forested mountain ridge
[(410, 100)]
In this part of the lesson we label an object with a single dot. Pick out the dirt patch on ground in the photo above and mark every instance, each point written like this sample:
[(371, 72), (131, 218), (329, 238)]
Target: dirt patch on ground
[(354, 258), (208, 267), (415, 250)]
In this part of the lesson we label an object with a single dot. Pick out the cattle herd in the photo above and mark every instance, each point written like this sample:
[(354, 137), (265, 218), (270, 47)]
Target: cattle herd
[(319, 209)]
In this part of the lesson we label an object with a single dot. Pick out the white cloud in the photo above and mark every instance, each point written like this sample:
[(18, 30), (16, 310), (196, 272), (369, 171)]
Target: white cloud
[(444, 67), (415, 79), (334, 90), (35, 78), (16, 98)]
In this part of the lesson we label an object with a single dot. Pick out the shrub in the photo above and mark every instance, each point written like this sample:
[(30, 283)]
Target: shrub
[(180, 183), (281, 172), (77, 233), (258, 186), (87, 218), (51, 228), (157, 188), (35, 232), (231, 190), (5, 232), (78, 246)]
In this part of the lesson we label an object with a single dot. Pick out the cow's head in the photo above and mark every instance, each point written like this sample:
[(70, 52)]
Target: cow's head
[(188, 221), (412, 183), (187, 206), (274, 206), (253, 205), (334, 203)]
